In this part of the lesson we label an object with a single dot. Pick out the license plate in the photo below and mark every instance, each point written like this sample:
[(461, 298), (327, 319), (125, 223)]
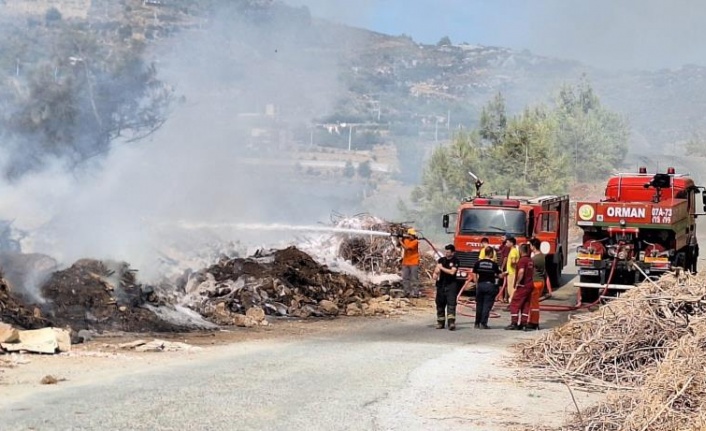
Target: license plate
[(589, 272)]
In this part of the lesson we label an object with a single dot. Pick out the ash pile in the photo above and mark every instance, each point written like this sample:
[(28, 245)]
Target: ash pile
[(286, 283), (648, 348), (89, 295), (102, 296)]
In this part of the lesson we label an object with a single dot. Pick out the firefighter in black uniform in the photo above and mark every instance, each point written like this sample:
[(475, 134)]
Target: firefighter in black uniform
[(486, 273), (446, 288)]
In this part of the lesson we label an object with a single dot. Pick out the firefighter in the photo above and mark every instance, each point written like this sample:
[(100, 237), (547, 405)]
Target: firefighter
[(501, 257), (446, 288), (485, 275), (520, 303), (539, 262), (513, 256), (484, 243), (410, 263)]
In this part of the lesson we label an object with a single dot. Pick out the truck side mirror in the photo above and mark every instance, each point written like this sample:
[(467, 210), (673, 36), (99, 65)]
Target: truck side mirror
[(445, 218), (703, 198)]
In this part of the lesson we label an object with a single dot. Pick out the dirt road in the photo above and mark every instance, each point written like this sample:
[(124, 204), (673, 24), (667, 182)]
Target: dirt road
[(346, 374)]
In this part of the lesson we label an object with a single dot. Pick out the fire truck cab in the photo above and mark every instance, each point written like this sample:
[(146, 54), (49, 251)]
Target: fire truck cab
[(545, 217)]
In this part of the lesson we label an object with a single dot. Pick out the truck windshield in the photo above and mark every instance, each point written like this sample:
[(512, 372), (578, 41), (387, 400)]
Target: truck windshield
[(493, 221)]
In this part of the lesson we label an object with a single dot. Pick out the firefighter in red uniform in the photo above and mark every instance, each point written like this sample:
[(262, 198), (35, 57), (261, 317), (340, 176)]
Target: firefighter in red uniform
[(520, 303)]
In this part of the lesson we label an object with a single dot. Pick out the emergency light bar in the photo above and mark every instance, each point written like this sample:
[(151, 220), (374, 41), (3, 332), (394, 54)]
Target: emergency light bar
[(510, 203)]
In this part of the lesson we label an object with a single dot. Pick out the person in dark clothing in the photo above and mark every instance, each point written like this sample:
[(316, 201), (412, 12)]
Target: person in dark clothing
[(520, 303), (446, 288), (485, 274)]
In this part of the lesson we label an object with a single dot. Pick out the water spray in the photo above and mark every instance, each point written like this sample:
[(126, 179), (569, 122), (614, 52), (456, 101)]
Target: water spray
[(280, 228)]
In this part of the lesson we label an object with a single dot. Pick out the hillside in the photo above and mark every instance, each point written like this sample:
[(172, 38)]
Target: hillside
[(312, 77)]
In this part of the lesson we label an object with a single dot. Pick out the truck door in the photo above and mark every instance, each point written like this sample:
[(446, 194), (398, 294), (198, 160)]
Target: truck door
[(546, 230)]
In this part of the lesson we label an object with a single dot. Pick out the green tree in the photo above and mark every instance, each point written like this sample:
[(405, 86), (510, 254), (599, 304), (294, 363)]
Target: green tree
[(493, 121), (531, 153), (364, 169), (348, 170), (76, 89), (52, 15), (595, 138), (445, 181), (529, 161), (444, 41)]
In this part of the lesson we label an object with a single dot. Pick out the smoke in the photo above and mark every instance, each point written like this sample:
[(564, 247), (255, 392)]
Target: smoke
[(220, 158)]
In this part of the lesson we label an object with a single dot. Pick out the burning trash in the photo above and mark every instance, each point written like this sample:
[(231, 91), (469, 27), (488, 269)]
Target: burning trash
[(285, 282), (355, 273), (102, 296)]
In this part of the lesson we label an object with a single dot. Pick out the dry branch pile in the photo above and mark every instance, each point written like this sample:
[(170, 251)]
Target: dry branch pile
[(377, 254), (282, 283), (648, 345), (672, 397)]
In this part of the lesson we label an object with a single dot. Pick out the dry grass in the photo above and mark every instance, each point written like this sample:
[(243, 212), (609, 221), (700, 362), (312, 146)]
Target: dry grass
[(649, 347)]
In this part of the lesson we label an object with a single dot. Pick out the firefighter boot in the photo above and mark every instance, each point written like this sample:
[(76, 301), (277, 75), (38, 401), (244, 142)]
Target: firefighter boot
[(532, 327), (452, 324), (513, 327), (440, 323)]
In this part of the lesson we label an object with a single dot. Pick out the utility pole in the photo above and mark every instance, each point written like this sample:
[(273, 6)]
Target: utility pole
[(526, 158), (436, 131), (350, 137)]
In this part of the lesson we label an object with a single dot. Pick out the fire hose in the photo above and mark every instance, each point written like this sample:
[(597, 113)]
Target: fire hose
[(468, 303), (472, 304)]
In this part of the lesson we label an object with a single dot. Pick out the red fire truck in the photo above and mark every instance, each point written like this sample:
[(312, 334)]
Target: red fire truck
[(645, 226), (545, 217)]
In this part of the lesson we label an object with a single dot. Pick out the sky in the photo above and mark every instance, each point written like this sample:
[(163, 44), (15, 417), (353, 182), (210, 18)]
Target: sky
[(610, 34)]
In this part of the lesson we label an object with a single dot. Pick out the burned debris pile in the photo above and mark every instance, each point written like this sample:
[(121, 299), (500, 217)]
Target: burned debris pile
[(284, 282), (15, 312), (102, 296), (377, 254)]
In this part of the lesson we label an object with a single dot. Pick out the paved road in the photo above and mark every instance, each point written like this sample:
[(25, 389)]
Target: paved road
[(376, 374)]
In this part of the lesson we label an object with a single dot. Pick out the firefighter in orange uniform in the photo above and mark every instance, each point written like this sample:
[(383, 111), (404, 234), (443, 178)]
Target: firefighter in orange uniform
[(410, 263), (538, 259)]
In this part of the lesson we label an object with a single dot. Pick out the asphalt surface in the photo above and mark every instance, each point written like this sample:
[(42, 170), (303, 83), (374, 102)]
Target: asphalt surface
[(375, 375)]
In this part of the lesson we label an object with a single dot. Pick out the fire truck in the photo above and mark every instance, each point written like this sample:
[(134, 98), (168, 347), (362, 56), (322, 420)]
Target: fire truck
[(643, 227), (481, 216)]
